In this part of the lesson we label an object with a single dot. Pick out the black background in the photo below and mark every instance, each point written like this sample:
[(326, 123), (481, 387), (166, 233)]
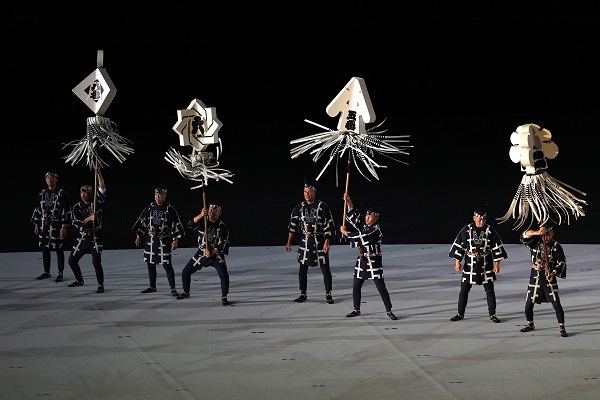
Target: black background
[(459, 79)]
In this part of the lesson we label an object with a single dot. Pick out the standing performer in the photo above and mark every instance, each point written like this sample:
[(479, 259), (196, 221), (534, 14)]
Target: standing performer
[(217, 238), (87, 217), (548, 261), (161, 227), (481, 247), (50, 219), (366, 236), (313, 221)]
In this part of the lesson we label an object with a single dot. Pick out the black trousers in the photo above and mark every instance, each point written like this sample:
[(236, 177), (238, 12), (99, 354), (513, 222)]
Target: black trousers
[(96, 262), (199, 262), (463, 297), (303, 277), (170, 274), (379, 283), (554, 299), (60, 259)]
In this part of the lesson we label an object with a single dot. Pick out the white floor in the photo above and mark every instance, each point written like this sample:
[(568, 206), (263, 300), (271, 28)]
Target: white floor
[(71, 343)]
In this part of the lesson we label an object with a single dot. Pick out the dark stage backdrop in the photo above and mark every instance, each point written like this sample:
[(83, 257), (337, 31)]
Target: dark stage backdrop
[(459, 81)]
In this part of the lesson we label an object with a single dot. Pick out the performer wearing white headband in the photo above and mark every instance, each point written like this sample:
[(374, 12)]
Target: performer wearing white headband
[(160, 228), (548, 261), (213, 245), (481, 248), (50, 219), (87, 218), (365, 234)]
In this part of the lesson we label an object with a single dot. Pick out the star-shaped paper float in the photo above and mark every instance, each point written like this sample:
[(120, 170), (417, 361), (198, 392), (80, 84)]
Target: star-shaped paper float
[(539, 196), (353, 104), (198, 127), (97, 91)]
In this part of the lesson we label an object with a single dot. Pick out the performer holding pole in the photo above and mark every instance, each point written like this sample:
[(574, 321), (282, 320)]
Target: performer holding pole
[(548, 261), (97, 92), (198, 127), (87, 218), (365, 234), (353, 106)]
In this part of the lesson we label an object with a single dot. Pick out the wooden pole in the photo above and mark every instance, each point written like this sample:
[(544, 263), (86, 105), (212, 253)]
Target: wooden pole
[(95, 188), (205, 219), (347, 183)]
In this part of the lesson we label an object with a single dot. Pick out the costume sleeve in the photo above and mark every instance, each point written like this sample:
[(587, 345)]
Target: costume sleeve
[(459, 247), (355, 218), (65, 208), (498, 250), (328, 227), (78, 217), (175, 225), (222, 238), (100, 198), (193, 225), (294, 224), (560, 261), (141, 224), (370, 239), (36, 217), (528, 241)]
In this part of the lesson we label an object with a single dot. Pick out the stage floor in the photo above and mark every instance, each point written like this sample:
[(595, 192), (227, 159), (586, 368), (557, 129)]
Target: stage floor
[(72, 343)]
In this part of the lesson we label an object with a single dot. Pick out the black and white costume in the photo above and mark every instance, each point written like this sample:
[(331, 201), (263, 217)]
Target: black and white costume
[(158, 226), (314, 224), (217, 238), (540, 290), (369, 265), (51, 213), (480, 248), (90, 238)]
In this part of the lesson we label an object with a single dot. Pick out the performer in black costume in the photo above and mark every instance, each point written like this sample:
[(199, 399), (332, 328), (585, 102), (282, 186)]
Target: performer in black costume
[(217, 237), (548, 261), (366, 236), (482, 250), (87, 218), (312, 221), (160, 227), (50, 219)]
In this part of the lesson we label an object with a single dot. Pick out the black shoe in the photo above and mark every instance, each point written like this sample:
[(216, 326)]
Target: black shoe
[(183, 295), (457, 317), (528, 328), (174, 292), (391, 316), (224, 301), (45, 275), (301, 299), (76, 283), (149, 290), (354, 313), (329, 298), (563, 332), (100, 289), (494, 319), (59, 277)]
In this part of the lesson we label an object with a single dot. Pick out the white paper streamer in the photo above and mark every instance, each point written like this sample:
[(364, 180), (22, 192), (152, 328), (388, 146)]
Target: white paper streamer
[(539, 196)]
